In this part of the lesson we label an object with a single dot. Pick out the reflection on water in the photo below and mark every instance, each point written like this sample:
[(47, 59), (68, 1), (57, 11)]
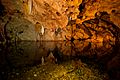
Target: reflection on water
[(42, 60)]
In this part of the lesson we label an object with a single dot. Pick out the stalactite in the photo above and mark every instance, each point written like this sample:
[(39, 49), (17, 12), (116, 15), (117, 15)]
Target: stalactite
[(30, 4), (42, 60), (42, 30)]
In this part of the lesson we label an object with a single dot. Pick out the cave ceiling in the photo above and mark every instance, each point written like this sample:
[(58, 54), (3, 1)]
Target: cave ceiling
[(92, 20)]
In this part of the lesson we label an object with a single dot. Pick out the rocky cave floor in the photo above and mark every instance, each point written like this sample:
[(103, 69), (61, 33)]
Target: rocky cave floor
[(28, 60), (70, 70)]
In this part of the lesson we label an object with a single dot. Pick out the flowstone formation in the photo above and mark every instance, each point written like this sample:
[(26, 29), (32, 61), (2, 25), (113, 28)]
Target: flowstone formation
[(92, 20)]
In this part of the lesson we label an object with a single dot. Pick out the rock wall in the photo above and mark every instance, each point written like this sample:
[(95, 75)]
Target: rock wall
[(93, 20)]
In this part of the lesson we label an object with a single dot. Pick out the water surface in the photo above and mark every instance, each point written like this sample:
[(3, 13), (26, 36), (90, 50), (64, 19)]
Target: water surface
[(60, 60)]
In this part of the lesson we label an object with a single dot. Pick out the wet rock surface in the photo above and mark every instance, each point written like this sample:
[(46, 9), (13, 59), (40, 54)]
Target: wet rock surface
[(59, 60), (65, 71)]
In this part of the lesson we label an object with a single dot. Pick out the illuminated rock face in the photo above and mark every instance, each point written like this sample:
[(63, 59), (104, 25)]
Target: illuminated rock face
[(91, 20), (48, 12)]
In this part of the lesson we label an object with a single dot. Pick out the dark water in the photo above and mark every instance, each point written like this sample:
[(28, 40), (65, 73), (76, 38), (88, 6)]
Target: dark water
[(18, 58)]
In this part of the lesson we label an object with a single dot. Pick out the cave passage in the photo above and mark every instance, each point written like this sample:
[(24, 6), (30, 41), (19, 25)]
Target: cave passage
[(59, 39)]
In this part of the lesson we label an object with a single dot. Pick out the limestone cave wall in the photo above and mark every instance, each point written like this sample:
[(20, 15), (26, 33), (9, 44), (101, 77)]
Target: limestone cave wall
[(92, 20)]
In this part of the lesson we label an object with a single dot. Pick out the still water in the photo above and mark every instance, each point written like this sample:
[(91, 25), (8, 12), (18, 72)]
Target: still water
[(47, 60)]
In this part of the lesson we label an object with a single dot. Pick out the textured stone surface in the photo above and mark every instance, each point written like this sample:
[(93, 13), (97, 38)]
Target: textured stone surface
[(66, 19), (21, 29)]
